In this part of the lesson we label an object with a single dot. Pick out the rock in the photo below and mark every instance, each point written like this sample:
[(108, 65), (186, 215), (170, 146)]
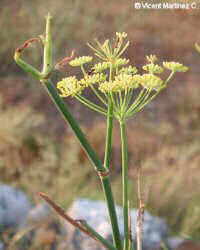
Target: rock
[(95, 214), (2, 246), (40, 213), (14, 207), (174, 242)]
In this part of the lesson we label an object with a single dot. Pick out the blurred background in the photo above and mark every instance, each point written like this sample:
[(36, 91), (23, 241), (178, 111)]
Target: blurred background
[(39, 153)]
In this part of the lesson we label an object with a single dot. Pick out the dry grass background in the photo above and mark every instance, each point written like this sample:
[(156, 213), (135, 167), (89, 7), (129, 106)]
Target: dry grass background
[(163, 139)]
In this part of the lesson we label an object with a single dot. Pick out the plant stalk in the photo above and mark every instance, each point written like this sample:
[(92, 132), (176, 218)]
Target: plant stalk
[(68, 117), (108, 145), (102, 171), (124, 155), (47, 58)]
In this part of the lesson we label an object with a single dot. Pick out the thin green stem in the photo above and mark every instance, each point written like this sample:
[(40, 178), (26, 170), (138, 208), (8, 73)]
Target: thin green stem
[(98, 95), (27, 67), (169, 77), (90, 105), (47, 60), (83, 71), (145, 102), (137, 100), (124, 153), (137, 104), (108, 145), (108, 152), (62, 107), (104, 242)]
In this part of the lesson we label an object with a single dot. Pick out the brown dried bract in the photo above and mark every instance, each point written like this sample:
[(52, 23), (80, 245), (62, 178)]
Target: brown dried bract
[(27, 43), (61, 64)]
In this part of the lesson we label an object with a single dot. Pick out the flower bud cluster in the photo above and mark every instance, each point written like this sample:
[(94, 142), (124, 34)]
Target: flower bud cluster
[(113, 77)]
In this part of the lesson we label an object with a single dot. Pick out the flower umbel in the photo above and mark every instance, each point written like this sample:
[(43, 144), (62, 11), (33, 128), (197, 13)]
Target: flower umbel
[(69, 86), (175, 67), (114, 80), (153, 68), (150, 81)]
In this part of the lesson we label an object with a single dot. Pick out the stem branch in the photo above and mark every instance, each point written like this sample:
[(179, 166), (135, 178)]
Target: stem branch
[(124, 152)]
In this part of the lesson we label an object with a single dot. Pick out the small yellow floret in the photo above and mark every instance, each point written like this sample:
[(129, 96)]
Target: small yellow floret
[(127, 81), (92, 79), (69, 86), (151, 58), (80, 61), (175, 67), (153, 68), (130, 70), (107, 87), (151, 81), (122, 82), (121, 35)]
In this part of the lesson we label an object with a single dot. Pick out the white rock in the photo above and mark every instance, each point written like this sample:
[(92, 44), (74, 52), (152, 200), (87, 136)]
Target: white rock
[(39, 213), (174, 242), (95, 214), (14, 206), (2, 247)]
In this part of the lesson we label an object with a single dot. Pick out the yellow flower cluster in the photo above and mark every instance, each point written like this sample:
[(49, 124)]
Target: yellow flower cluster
[(92, 79), (175, 67), (69, 86), (151, 58), (121, 82), (80, 61), (150, 81), (122, 78), (130, 70), (153, 68), (121, 35)]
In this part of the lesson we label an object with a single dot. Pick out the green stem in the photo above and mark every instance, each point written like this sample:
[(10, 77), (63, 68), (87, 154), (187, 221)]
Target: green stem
[(108, 145), (109, 127), (61, 106), (106, 243), (63, 109), (92, 156), (27, 67), (136, 102), (90, 105), (124, 153), (47, 60), (98, 95)]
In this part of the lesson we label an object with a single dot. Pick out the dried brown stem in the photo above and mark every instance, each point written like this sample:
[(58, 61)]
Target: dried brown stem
[(61, 212)]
